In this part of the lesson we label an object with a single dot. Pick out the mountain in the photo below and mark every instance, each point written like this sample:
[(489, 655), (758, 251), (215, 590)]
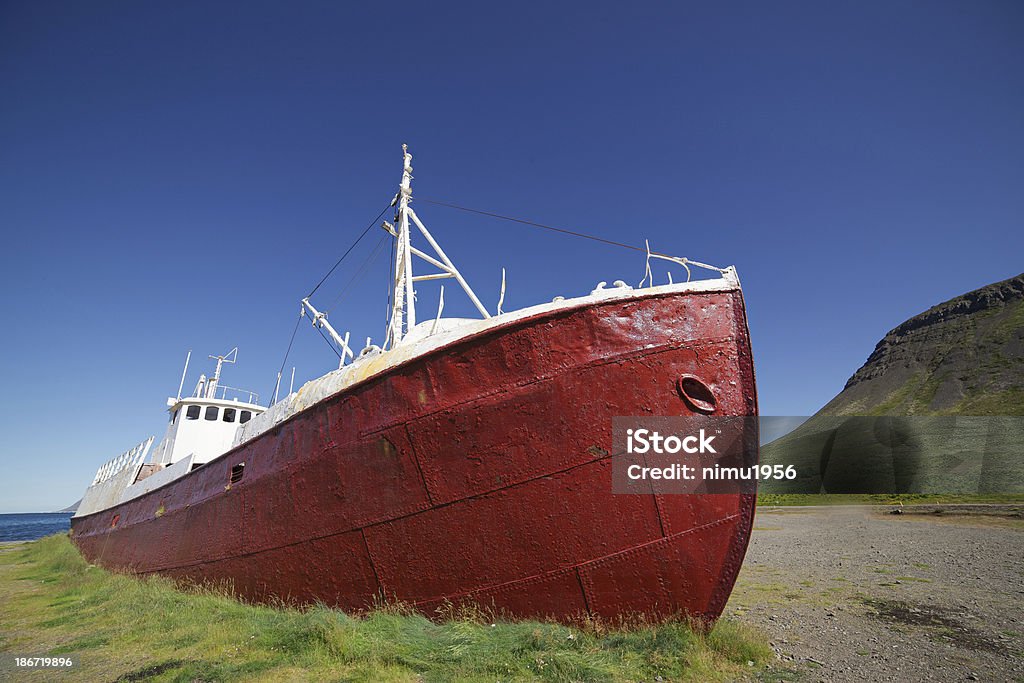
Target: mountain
[(962, 357), (73, 507), (935, 409)]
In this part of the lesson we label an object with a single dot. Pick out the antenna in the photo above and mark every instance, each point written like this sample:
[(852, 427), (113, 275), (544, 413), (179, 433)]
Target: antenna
[(230, 357)]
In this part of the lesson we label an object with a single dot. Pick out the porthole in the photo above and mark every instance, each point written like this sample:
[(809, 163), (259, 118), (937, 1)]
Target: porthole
[(697, 395)]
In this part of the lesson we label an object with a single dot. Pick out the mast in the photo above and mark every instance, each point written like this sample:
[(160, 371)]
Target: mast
[(403, 308)]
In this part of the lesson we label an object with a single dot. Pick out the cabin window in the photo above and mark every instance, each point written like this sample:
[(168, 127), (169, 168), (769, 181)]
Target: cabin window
[(237, 472), (211, 413), (192, 413), (245, 416), (174, 416), (229, 415)]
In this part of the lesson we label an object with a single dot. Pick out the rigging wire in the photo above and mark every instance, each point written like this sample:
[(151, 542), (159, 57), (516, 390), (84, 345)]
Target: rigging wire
[(349, 250), (329, 343), (532, 223), (286, 354), (359, 273), (684, 262)]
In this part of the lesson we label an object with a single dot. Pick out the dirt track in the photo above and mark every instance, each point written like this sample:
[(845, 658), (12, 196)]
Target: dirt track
[(856, 594)]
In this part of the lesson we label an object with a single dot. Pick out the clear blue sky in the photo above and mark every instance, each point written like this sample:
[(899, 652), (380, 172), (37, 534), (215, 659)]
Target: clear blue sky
[(177, 175)]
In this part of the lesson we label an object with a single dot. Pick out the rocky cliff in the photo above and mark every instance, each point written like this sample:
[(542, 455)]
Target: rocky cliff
[(962, 357)]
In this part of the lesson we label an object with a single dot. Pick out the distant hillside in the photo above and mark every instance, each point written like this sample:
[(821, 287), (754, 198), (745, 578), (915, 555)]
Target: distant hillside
[(73, 507), (962, 357), (931, 411)]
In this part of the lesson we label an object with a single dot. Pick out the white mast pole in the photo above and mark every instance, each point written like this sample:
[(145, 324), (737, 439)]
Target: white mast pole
[(405, 192), (211, 387), (403, 309), (181, 385)]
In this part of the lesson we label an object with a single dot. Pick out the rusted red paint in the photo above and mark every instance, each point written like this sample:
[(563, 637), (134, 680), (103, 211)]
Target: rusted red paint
[(478, 472)]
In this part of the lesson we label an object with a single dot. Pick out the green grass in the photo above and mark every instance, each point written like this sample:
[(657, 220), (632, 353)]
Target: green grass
[(1007, 402), (799, 499), (896, 402), (127, 628)]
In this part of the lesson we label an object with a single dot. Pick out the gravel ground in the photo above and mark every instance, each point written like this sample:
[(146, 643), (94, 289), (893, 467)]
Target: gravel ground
[(857, 594)]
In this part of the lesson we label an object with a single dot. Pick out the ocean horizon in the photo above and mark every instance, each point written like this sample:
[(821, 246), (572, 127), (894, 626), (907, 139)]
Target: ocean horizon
[(29, 526)]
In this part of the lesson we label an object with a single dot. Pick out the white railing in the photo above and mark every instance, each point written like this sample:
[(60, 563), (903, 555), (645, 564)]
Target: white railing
[(239, 394), (129, 458)]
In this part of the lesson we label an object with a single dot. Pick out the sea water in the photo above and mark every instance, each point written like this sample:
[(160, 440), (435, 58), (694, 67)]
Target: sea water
[(28, 526)]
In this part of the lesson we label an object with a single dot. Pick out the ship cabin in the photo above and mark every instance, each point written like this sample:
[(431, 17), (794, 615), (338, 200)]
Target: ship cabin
[(203, 426)]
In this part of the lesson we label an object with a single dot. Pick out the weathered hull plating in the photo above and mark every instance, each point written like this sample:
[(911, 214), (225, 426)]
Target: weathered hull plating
[(478, 472)]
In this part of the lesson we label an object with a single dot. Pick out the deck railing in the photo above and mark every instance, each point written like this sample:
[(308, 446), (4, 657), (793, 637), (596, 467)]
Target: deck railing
[(129, 458), (226, 393)]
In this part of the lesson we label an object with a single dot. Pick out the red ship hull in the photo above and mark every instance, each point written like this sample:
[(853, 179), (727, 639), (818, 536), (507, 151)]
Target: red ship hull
[(477, 472)]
